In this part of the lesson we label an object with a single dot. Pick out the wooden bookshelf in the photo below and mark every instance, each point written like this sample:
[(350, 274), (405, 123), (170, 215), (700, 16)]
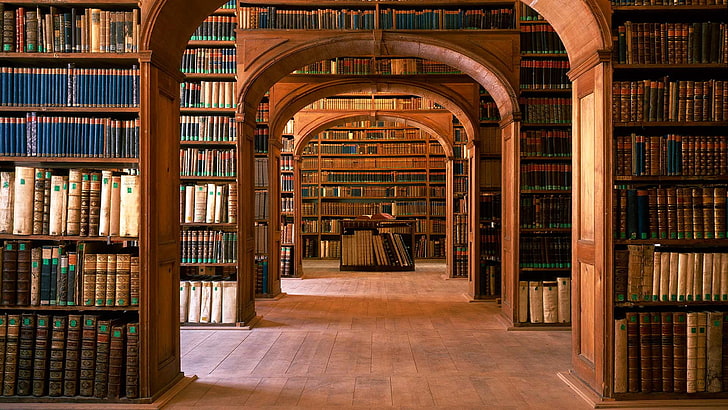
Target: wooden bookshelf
[(388, 247)]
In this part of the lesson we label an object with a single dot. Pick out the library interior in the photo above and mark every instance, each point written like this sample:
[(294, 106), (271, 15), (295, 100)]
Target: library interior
[(365, 203)]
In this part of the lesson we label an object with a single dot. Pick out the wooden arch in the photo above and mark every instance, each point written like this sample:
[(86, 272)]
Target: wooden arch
[(323, 122), (297, 96)]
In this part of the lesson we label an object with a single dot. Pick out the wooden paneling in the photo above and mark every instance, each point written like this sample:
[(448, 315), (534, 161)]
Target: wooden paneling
[(510, 183), (585, 189), (586, 306)]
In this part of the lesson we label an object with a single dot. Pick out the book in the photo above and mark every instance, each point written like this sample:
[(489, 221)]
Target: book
[(692, 352), (3, 342), (701, 351), (132, 361), (23, 273), (26, 350), (205, 301), (9, 274), (7, 192), (101, 371), (105, 204), (620, 356), (87, 359), (550, 302), (229, 302), (184, 294), (535, 299), (633, 352), (666, 324), (714, 352), (194, 302), (645, 352), (117, 355), (680, 351), (523, 301), (71, 370), (73, 215), (130, 209), (41, 355), (57, 361), (216, 302), (23, 200)]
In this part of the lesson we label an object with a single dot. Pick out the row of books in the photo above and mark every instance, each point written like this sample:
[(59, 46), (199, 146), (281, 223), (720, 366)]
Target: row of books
[(260, 231), (369, 103), (372, 191), (207, 301), (459, 230), (39, 201), (69, 355), (681, 352), (61, 275), (396, 148), (261, 274), (212, 273), (546, 110), (643, 273), (373, 134), (261, 172), (286, 267), (261, 205), (489, 110), (48, 136), (546, 143), (540, 39), (658, 3), (545, 211), (490, 205), (545, 252), (429, 248), (263, 113), (324, 225), (547, 301), (378, 66), (460, 262), (671, 43), (489, 279), (287, 183), (288, 232), (203, 162), (286, 162), (73, 30), (208, 203), (208, 246), (364, 19), (69, 87), (379, 163), (526, 13), (554, 177), (490, 242), (326, 248), (672, 154), (393, 208), (365, 247), (490, 140), (490, 175), (461, 182), (380, 176), (545, 74), (216, 28), (665, 100), (682, 212), (209, 61), (207, 94), (207, 128), (260, 139)]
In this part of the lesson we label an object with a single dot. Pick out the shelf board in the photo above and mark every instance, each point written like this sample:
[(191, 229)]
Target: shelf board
[(211, 43), (670, 178), (670, 124), (489, 122), (546, 191), (211, 76), (85, 110), (109, 58), (545, 124), (207, 178), (76, 308), (562, 55), (219, 143), (68, 238), (208, 110), (490, 189), (545, 326), (544, 158), (379, 183), (209, 264), (490, 155), (545, 90), (671, 242), (102, 162)]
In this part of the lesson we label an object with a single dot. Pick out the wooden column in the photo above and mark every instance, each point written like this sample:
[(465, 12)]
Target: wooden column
[(246, 202), (510, 218), (159, 229), (297, 216), (474, 244), (592, 230), (450, 214), (274, 219)]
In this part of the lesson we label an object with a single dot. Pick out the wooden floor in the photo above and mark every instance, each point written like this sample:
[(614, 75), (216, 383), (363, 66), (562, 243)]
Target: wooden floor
[(376, 340)]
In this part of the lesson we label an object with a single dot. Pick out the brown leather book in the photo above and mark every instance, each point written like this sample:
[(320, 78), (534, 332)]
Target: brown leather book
[(100, 281), (725, 351), (633, 352), (697, 198), (41, 355), (688, 229), (134, 281), (84, 208), (38, 193), (73, 355), (73, 218), (94, 204), (680, 353), (648, 266), (692, 352), (12, 342), (700, 351), (101, 373), (656, 350), (123, 279), (714, 352), (620, 356), (3, 340), (46, 202), (666, 326), (88, 356), (35, 275), (117, 353), (634, 273), (62, 280), (645, 362), (111, 271), (671, 195), (9, 273), (682, 203), (132, 361), (708, 213), (621, 268), (26, 347), (23, 274), (57, 355)]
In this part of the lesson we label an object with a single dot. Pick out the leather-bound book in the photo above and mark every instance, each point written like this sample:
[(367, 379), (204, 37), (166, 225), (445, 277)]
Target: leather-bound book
[(26, 347), (620, 356), (35, 275), (100, 281), (9, 273), (725, 351), (88, 356), (700, 351), (680, 353), (719, 211), (134, 281), (123, 280), (105, 204), (633, 352), (38, 193), (55, 265), (46, 202), (634, 273), (692, 352), (666, 328), (130, 206), (7, 185), (621, 267), (535, 301), (645, 331), (12, 341), (229, 301), (111, 271), (115, 212), (62, 280), (23, 200), (73, 216), (23, 274), (656, 350), (550, 302), (101, 373), (57, 205), (73, 277), (84, 208), (94, 204), (3, 341), (88, 287), (132, 361), (714, 352), (117, 353), (73, 355), (57, 355), (41, 355), (564, 299)]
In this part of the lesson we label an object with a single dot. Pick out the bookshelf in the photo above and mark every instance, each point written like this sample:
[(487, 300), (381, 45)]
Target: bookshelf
[(288, 267), (377, 245), (668, 182), (208, 174), (76, 218), (542, 157)]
